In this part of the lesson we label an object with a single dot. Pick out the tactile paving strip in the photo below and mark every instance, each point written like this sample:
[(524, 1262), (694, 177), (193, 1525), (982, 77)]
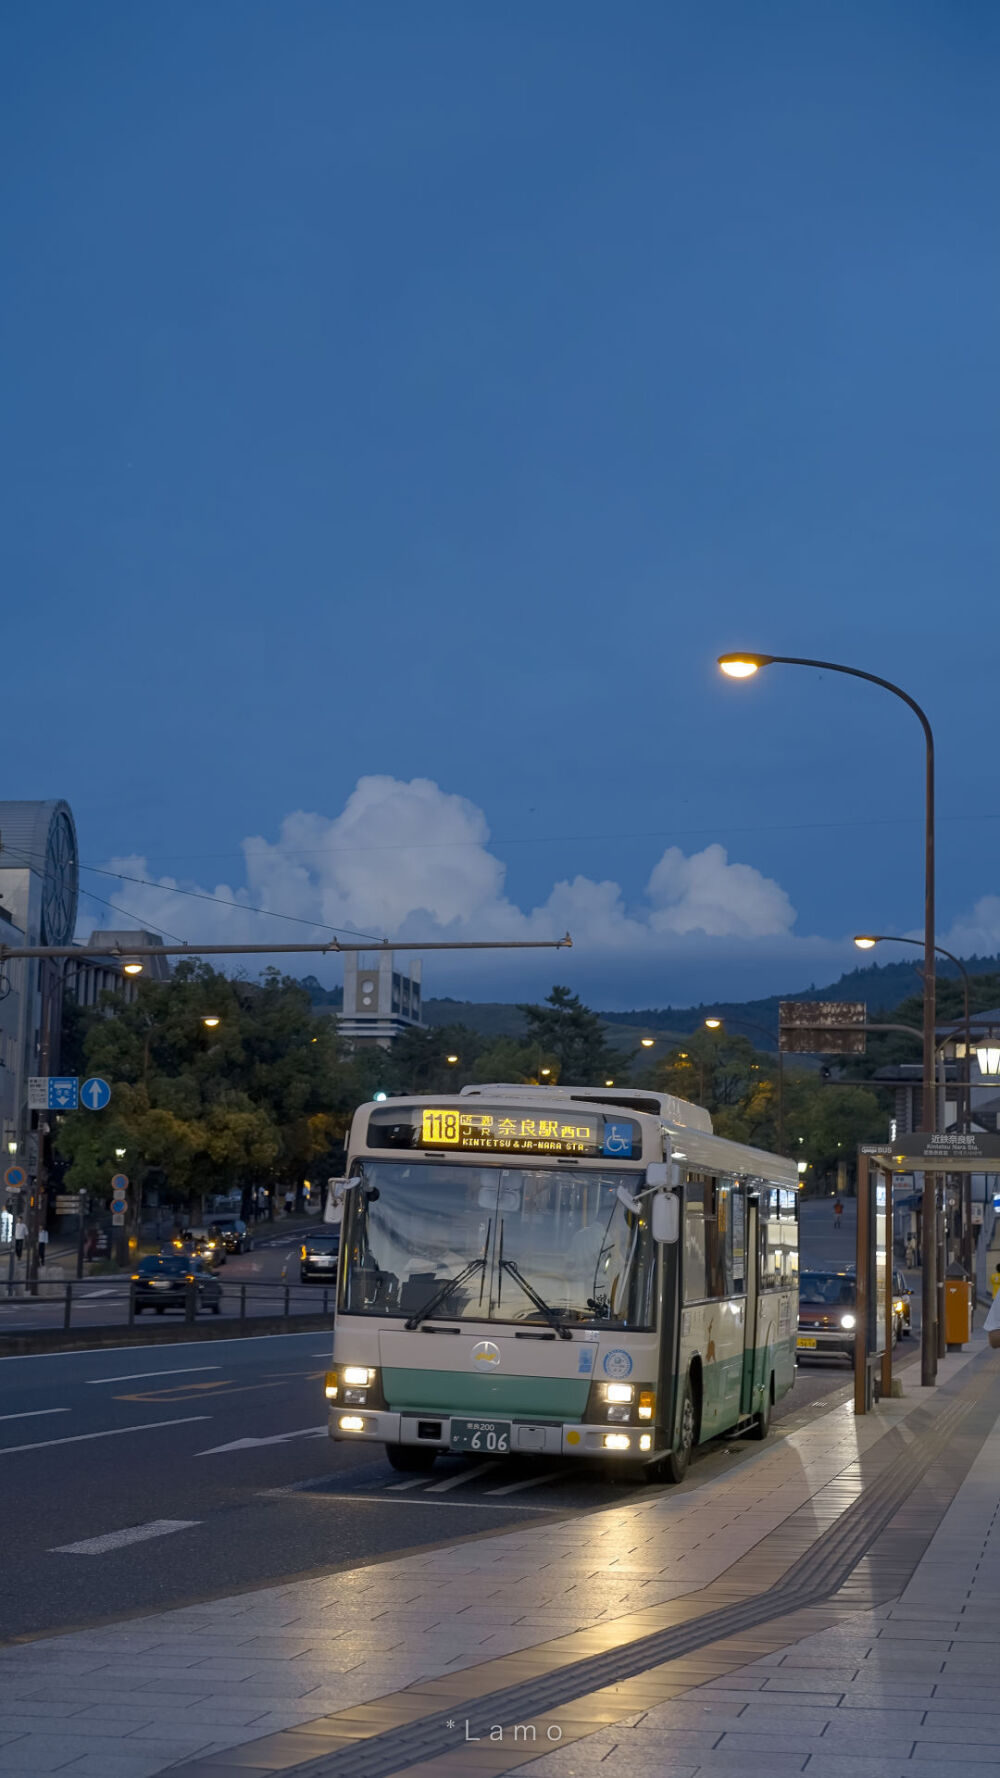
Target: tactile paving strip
[(817, 1573)]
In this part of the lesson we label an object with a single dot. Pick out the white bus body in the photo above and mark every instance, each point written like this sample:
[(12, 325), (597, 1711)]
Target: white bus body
[(569, 1272)]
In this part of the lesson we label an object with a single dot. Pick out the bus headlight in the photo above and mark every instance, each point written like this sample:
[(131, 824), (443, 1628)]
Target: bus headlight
[(618, 1392), (617, 1441), (358, 1375), (351, 1423), (847, 1321)]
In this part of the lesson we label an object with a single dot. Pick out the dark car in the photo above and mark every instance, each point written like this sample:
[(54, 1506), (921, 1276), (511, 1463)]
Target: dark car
[(162, 1282), (318, 1254), (232, 1234), (827, 1314), (198, 1243)]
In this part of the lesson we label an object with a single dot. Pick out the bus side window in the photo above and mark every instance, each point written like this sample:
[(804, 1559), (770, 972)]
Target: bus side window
[(694, 1239), (718, 1238)]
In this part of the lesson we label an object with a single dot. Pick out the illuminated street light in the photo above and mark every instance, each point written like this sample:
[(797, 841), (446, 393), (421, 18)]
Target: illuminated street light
[(988, 1056), (132, 967), (647, 1042), (12, 1145), (545, 1072), (609, 1083), (743, 666), (451, 1059), (865, 942), (120, 1154), (714, 1024), (211, 1019)]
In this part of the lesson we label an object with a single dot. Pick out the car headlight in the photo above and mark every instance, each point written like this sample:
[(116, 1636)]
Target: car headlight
[(847, 1321), (898, 1308)]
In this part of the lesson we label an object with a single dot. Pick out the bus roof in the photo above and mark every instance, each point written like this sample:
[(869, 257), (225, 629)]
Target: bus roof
[(665, 1106)]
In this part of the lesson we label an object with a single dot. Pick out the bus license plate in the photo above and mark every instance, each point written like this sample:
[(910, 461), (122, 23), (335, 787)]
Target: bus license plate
[(480, 1435), (801, 1342)]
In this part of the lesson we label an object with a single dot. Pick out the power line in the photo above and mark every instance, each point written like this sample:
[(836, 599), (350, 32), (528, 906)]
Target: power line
[(219, 902)]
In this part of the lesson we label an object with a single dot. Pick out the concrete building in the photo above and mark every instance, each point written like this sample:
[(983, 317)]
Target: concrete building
[(39, 885), (91, 977), (380, 1001)]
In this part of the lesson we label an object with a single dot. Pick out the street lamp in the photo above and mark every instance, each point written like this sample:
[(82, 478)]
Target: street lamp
[(120, 1153), (451, 1060), (609, 1083), (132, 967), (988, 1056), (647, 1042), (212, 1019), (866, 941), (742, 665)]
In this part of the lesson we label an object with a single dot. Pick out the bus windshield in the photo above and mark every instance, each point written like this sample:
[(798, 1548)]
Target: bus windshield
[(531, 1244)]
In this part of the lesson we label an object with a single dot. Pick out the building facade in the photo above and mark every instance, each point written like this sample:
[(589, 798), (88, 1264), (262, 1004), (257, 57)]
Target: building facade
[(39, 887), (380, 1001)]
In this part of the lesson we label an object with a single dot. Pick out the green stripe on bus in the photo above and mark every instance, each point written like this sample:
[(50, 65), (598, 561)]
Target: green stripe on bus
[(458, 1392)]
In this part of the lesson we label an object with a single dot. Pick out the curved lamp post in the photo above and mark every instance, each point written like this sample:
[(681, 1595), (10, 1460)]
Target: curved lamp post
[(744, 665)]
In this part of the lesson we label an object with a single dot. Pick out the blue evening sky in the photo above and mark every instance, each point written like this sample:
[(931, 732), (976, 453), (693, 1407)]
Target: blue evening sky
[(430, 391)]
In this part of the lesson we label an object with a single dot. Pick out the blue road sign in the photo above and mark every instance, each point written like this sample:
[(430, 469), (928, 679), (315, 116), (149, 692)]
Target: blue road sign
[(15, 1178), (95, 1093), (64, 1092), (119, 1184)]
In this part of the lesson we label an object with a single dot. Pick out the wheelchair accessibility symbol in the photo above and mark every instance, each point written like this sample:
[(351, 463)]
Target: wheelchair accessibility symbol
[(618, 1139)]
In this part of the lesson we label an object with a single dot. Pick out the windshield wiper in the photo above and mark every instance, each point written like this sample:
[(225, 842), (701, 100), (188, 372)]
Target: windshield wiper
[(450, 1284), (552, 1316)]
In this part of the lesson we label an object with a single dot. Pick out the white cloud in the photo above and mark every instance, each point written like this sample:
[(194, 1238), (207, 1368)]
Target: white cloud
[(411, 861), (976, 933)]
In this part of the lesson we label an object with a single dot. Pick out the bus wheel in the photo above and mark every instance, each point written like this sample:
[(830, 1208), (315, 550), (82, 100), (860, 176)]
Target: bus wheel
[(411, 1457), (675, 1464), (762, 1421)]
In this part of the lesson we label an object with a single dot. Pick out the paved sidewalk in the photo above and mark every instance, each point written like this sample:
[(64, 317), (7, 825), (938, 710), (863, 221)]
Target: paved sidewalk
[(265, 1680)]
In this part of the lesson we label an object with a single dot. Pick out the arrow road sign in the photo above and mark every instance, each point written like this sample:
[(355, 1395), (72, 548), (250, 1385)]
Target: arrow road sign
[(62, 1094), (16, 1178), (95, 1093)]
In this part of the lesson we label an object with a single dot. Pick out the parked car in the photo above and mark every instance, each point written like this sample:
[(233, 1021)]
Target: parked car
[(232, 1232), (162, 1282), (902, 1299), (318, 1254), (827, 1318)]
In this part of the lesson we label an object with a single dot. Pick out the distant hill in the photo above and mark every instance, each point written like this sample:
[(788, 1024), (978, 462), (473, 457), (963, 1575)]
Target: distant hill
[(880, 985)]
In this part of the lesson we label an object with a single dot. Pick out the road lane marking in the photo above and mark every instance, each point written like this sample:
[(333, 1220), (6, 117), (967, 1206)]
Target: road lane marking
[(116, 1540), (456, 1506), (399, 1487), (33, 1413), (278, 1438), (459, 1480), (137, 1376), (533, 1481), (78, 1438)]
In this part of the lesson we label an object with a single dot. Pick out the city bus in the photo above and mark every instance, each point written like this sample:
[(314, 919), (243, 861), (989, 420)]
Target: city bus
[(565, 1272)]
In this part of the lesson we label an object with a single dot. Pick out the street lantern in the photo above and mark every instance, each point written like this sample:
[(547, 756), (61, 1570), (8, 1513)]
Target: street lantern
[(713, 1024), (988, 1056), (743, 665), (647, 1042), (212, 1019), (451, 1060), (132, 967)]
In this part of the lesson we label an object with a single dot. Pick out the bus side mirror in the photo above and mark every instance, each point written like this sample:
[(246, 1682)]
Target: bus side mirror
[(657, 1175), (666, 1218)]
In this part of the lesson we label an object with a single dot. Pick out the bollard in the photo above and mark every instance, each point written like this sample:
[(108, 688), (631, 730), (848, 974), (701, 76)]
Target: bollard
[(67, 1307)]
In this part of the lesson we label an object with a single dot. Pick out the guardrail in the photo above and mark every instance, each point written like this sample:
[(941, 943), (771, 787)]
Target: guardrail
[(246, 1301)]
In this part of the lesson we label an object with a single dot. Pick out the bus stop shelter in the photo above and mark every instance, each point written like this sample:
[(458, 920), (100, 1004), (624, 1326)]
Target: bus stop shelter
[(878, 1166)]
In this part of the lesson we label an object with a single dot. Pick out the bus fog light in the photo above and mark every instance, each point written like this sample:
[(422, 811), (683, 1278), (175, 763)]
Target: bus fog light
[(351, 1423), (617, 1441), (618, 1413), (646, 1442), (359, 1375), (618, 1392), (647, 1404)]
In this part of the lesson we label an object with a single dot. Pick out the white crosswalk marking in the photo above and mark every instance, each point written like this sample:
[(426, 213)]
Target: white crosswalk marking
[(532, 1481), (398, 1487), (459, 1480), (116, 1540)]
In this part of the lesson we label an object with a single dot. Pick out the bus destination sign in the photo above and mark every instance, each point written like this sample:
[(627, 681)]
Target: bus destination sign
[(510, 1131)]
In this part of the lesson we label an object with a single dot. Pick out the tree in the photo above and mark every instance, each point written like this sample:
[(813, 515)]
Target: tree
[(263, 1094), (574, 1036)]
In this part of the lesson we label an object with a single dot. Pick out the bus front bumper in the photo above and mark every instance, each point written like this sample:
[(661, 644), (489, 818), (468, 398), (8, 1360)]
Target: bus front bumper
[(434, 1432)]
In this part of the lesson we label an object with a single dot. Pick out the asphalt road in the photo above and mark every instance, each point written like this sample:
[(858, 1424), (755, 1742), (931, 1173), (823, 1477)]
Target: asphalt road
[(103, 1300), (205, 1468)]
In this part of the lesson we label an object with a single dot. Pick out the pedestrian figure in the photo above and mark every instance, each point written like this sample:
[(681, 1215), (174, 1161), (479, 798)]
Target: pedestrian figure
[(838, 1211), (911, 1253), (20, 1236), (43, 1242), (289, 1201)]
